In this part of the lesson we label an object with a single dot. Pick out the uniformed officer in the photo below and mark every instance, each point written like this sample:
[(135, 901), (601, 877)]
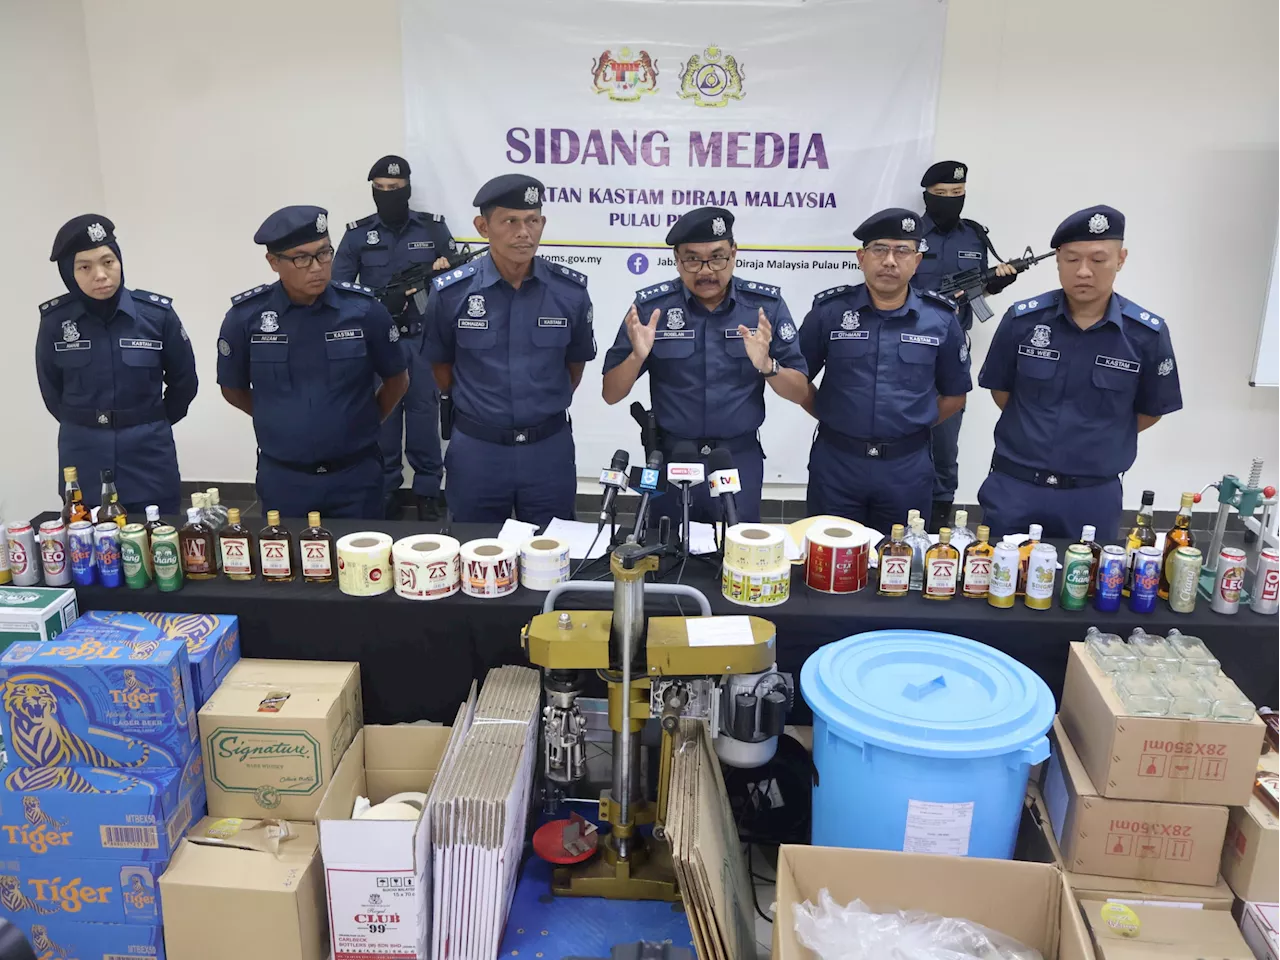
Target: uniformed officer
[(1078, 373), (896, 364), (115, 369), (374, 250), (300, 356), (709, 346), (508, 336), (951, 244)]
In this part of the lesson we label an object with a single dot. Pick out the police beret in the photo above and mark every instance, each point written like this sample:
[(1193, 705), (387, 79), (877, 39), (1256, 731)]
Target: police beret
[(704, 225), (1092, 223), (82, 233), (945, 171), (896, 223), (390, 166), (515, 191), (292, 226)]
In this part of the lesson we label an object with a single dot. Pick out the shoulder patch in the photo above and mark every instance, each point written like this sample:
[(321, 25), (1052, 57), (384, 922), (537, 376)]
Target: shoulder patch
[(146, 296), (1144, 317), (363, 221), (61, 300), (353, 288), (657, 290), (453, 276), (832, 292), (1034, 304), (251, 293), (562, 271), (765, 289)]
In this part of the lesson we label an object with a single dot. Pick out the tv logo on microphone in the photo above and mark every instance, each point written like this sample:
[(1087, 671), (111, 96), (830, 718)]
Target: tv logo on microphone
[(686, 472)]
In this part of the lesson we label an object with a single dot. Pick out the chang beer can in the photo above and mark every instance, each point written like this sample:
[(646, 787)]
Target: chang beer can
[(1184, 579), (53, 553), (84, 565), (1042, 569), (135, 556), (1076, 566), (166, 559), (1004, 576)]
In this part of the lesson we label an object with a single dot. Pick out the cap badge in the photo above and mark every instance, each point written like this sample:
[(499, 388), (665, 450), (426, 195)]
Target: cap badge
[(908, 224), (718, 227), (322, 223), (1098, 223), (393, 169), (531, 195), (97, 232)]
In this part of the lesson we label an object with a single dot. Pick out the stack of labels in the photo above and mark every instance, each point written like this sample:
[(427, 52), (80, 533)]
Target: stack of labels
[(755, 572), (753, 546), (544, 562), (391, 811), (426, 567), (836, 557), (364, 564), (489, 568), (411, 797)]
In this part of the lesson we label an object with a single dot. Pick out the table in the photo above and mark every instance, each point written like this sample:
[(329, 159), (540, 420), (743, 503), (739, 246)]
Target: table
[(418, 659)]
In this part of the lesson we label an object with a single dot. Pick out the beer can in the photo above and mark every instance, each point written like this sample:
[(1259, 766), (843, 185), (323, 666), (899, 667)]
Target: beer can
[(1227, 583), (5, 575), (1184, 579), (1266, 582), (1146, 580), (1042, 568), (1004, 576), (80, 546), (1112, 569), (23, 563), (135, 556), (1076, 568), (166, 558), (53, 553), (106, 551)]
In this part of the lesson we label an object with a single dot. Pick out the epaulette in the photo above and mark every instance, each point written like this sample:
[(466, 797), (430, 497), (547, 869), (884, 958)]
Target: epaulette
[(61, 299), (761, 288), (579, 278), (362, 222), (437, 217), (355, 288), (975, 224), (453, 276), (828, 294), (937, 297), (251, 293), (1042, 301), (657, 290), (157, 298), (1144, 317)]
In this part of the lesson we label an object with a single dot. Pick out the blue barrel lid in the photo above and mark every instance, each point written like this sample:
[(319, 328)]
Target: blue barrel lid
[(930, 694)]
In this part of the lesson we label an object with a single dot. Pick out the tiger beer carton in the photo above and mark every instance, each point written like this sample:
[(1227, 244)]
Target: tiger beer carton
[(54, 938), (35, 613), (105, 699), (90, 891)]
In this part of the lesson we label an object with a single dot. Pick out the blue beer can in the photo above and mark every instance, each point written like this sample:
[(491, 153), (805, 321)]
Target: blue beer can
[(80, 546), (1110, 585), (1146, 580), (106, 542)]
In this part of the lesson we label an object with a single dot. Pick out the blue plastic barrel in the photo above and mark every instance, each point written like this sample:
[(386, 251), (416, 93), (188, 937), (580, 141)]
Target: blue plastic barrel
[(923, 742)]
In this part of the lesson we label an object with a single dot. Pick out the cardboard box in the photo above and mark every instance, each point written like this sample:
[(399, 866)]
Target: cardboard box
[(273, 734), (1258, 926), (1154, 758), (55, 938), (245, 896), (1027, 901), (1145, 840), (94, 697), (35, 613), (1145, 932), (380, 868), (1251, 854), (89, 812), (88, 891)]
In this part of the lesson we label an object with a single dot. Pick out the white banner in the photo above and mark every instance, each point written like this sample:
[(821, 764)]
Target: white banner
[(801, 118)]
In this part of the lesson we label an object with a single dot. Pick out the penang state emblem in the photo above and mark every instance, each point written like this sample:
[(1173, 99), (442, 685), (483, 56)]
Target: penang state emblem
[(713, 81), (626, 78)]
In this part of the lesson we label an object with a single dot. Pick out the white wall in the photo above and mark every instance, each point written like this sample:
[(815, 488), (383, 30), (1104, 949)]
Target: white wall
[(188, 124)]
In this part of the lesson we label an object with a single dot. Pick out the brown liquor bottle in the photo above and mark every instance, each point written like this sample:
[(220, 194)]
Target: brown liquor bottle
[(236, 542), (315, 547), (275, 546), (1179, 536), (894, 565), (977, 565), (196, 546), (941, 568)]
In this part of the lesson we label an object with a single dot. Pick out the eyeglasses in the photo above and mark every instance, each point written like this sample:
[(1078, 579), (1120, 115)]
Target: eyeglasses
[(694, 265), (304, 260), (878, 251)]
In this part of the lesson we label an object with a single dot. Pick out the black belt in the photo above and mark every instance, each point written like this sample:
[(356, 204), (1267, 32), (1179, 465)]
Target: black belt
[(875, 449), (321, 467), (112, 419), (1044, 478), (667, 441), (510, 436), (410, 329)]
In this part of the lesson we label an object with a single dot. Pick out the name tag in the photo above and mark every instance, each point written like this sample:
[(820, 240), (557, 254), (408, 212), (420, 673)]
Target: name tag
[(850, 334), (970, 254), (918, 338), (353, 334), (421, 245), (553, 321), (473, 324), (734, 334), (269, 338), (1115, 363), (60, 347), (674, 334), (127, 343), (1038, 352)]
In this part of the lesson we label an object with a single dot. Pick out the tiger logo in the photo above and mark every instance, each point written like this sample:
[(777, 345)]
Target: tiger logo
[(38, 737), (131, 682), (44, 946), (194, 628), (15, 901), (53, 778), (35, 816), (142, 649)]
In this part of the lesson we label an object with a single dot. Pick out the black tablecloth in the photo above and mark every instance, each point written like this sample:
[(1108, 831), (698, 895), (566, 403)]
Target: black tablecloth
[(419, 658)]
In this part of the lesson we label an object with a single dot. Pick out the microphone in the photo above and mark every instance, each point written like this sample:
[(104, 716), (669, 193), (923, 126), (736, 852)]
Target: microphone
[(724, 483), (685, 468), (613, 480), (650, 485)]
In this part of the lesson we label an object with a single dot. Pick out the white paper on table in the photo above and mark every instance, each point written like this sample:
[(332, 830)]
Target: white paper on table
[(515, 532), (791, 549), (719, 631), (702, 537), (579, 537)]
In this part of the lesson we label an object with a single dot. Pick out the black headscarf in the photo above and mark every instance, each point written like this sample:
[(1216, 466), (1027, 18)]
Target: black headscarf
[(87, 232)]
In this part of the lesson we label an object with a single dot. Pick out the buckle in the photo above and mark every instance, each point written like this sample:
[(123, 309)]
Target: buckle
[(104, 418), (521, 438), (321, 469), (1051, 480), (706, 449), (404, 329), (873, 450)]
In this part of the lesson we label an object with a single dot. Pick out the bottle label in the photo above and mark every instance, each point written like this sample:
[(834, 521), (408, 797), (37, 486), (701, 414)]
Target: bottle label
[(275, 558), (977, 575), (235, 556), (940, 577), (195, 555), (895, 573), (316, 560)]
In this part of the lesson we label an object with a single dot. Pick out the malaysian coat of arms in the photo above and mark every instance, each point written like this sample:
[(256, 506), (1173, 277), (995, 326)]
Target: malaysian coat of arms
[(629, 77)]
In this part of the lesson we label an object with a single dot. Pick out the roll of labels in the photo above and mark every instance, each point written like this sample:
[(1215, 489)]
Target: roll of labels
[(835, 557), (364, 564), (426, 567), (756, 572), (489, 568), (544, 562)]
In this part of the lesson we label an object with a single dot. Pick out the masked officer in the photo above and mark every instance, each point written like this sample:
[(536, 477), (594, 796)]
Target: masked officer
[(374, 250), (896, 364), (709, 341), (950, 244), (1077, 373), (508, 336), (115, 369), (300, 356)]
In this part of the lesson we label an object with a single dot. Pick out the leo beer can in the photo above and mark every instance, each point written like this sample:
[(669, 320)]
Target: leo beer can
[(80, 545), (1146, 580), (106, 550), (1266, 583), (54, 554), (1229, 581), (1004, 576), (1112, 569), (23, 563), (1042, 569), (167, 561), (1184, 579), (135, 556)]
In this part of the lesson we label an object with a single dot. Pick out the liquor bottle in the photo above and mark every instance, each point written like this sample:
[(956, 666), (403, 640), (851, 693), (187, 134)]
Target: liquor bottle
[(1089, 537), (73, 507), (315, 547), (218, 514), (919, 543), (111, 508), (961, 535), (1142, 534), (275, 548), (894, 565), (1179, 536), (153, 519), (235, 542), (200, 501), (977, 565), (196, 546), (942, 568), (1034, 533)]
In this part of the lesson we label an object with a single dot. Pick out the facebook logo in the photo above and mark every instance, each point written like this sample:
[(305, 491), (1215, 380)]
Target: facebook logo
[(637, 263)]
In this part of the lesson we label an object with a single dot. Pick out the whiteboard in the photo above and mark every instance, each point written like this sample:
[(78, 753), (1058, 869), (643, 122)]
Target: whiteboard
[(1266, 361)]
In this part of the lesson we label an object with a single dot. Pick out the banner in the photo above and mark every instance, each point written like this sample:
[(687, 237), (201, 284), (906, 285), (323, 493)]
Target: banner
[(801, 118)]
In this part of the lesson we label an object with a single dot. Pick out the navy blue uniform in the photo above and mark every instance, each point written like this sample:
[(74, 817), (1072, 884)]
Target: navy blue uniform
[(878, 399), (312, 370), (116, 388), (1070, 427), (704, 388), (512, 444), (373, 252)]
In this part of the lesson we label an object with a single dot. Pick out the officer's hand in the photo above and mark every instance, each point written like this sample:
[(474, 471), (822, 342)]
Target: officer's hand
[(442, 263), (1004, 270), (640, 334), (957, 295), (757, 343)]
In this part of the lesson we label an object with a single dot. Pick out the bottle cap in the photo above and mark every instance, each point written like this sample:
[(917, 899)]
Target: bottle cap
[(313, 518), (193, 514), (911, 515), (1088, 534), (962, 518), (273, 518), (108, 476), (1188, 499), (199, 500), (213, 495), (153, 512), (917, 524), (897, 532), (233, 515), (1148, 497), (1036, 531), (944, 535), (984, 532), (70, 474)]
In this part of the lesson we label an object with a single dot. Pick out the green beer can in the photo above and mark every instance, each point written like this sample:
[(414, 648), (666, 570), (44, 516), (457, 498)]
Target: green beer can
[(168, 561), (135, 555), (1076, 566)]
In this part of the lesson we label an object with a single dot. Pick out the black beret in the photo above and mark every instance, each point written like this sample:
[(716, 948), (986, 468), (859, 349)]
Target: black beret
[(896, 223), (1091, 223), (704, 225), (292, 226), (515, 191), (85, 232), (944, 171), (390, 166)]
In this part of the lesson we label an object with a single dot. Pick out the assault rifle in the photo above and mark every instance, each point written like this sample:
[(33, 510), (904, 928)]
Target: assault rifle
[(418, 279), (973, 283)]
